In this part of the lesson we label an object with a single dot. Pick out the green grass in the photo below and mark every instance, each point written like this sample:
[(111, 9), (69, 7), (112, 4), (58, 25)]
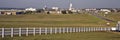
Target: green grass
[(52, 20), (70, 36), (112, 16), (55, 20)]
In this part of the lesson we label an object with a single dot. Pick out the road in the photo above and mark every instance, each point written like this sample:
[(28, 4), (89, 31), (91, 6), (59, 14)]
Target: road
[(101, 17)]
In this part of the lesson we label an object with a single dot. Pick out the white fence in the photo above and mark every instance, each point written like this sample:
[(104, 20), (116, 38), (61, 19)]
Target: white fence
[(118, 26), (48, 30)]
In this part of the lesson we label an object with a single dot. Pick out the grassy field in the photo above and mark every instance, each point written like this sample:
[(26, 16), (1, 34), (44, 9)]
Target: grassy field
[(55, 20), (70, 36), (112, 16), (51, 20)]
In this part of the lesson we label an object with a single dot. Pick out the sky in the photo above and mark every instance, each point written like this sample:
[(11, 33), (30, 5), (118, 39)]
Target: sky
[(60, 3)]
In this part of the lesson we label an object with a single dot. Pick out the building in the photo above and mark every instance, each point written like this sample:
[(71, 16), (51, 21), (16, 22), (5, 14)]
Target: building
[(30, 9), (105, 10), (90, 9), (55, 8), (8, 13), (54, 11)]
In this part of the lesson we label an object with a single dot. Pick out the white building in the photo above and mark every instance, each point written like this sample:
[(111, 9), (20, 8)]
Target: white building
[(90, 9), (30, 9), (8, 13), (55, 8), (105, 10)]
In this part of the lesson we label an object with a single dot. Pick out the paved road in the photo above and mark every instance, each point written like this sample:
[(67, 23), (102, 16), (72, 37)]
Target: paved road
[(101, 17)]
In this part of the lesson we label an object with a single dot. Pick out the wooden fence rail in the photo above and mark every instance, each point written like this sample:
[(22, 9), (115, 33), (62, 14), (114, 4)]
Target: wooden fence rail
[(50, 30)]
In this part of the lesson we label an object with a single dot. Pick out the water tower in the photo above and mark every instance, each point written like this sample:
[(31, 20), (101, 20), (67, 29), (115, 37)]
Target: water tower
[(70, 6)]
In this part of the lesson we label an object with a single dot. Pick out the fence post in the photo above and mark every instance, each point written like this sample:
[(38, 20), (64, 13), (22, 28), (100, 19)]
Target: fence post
[(27, 31), (84, 29), (105, 28), (3, 32), (91, 29), (95, 28), (55, 30), (101, 29), (19, 32), (98, 29), (76, 29), (60, 30), (71, 29), (118, 26), (34, 31), (63, 30), (51, 30), (45, 30), (81, 29), (88, 29), (67, 30), (11, 32), (39, 31)]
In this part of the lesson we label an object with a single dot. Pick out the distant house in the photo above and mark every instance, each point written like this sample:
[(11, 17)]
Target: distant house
[(9, 13), (2, 13), (30, 9), (90, 9), (105, 10), (53, 11), (55, 8)]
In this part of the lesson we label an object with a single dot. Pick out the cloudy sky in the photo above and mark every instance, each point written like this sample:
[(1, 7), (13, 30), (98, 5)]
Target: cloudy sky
[(60, 3)]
